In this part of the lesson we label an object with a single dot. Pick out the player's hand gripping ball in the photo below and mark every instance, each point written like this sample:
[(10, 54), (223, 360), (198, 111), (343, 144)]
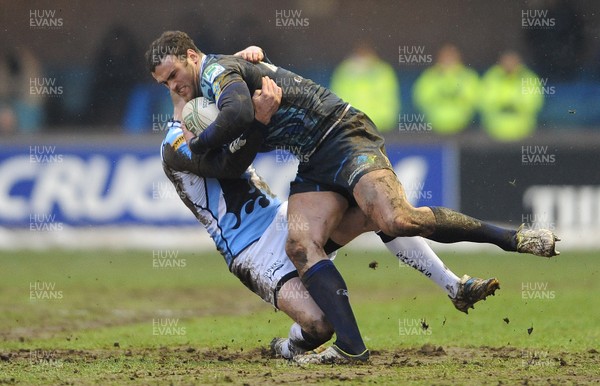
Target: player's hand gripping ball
[(198, 114)]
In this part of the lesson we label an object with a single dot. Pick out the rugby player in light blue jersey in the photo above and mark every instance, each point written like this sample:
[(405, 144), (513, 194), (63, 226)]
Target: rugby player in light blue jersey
[(248, 225), (343, 164)]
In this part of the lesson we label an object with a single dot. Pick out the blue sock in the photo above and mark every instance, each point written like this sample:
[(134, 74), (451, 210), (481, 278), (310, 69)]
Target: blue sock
[(329, 291), (331, 246)]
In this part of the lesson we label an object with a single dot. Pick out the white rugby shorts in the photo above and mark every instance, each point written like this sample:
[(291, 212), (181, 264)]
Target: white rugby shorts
[(264, 266)]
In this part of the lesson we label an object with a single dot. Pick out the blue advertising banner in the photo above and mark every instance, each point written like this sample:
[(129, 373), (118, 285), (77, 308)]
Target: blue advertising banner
[(44, 187), (428, 173), (47, 187)]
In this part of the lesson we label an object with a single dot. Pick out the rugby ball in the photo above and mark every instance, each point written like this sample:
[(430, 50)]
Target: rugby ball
[(198, 114)]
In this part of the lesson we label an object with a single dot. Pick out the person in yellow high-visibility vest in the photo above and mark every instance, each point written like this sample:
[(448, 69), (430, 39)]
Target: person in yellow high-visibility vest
[(512, 96), (447, 92), (370, 84)]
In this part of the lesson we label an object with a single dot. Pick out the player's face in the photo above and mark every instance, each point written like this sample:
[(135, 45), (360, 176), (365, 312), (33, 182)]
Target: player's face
[(179, 75)]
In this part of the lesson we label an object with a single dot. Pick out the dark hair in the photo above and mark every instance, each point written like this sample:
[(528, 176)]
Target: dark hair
[(169, 43)]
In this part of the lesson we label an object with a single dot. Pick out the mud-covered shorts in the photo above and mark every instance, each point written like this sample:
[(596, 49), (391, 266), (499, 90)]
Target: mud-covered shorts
[(351, 150), (264, 267)]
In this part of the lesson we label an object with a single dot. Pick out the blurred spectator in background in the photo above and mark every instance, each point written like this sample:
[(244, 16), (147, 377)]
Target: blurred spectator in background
[(447, 93), (512, 96), (21, 107), (117, 69), (370, 84)]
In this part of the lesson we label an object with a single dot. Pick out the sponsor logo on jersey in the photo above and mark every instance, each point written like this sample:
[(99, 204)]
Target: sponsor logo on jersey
[(178, 142), (216, 89), (361, 159), (362, 163), (342, 292), (212, 71), (237, 145), (276, 266)]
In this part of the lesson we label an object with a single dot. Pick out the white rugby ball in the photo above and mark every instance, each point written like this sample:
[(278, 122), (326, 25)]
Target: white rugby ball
[(198, 114)]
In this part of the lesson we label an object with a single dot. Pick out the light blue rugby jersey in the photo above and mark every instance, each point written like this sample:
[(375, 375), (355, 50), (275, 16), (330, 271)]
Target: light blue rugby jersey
[(235, 211)]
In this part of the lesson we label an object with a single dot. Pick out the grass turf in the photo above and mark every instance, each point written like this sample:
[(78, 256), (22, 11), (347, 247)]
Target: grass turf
[(169, 316)]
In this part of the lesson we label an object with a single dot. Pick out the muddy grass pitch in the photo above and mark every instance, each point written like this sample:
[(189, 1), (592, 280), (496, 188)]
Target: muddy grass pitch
[(113, 318), (427, 365)]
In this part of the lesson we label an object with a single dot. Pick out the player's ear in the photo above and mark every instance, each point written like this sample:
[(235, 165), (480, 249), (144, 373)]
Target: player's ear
[(193, 55)]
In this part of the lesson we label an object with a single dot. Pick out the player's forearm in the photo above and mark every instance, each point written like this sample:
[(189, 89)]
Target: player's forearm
[(243, 150), (235, 116), (232, 160)]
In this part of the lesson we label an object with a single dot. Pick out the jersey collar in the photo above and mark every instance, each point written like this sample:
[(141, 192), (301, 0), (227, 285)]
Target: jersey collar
[(202, 62)]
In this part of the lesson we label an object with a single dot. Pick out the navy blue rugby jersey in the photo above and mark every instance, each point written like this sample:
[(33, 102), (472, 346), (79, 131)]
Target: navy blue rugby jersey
[(307, 112)]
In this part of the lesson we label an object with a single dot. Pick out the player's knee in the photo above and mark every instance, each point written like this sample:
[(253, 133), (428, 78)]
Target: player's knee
[(405, 224), (295, 249)]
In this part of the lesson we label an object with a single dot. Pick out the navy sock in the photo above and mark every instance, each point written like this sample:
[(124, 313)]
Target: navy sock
[(310, 342), (329, 291), (385, 238), (331, 246), (452, 227)]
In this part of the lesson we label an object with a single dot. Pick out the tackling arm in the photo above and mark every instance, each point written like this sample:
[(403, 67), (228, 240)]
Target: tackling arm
[(232, 160), (235, 109), (236, 113)]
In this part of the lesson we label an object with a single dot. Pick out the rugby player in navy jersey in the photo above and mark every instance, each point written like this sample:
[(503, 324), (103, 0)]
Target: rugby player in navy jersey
[(343, 164), (249, 227)]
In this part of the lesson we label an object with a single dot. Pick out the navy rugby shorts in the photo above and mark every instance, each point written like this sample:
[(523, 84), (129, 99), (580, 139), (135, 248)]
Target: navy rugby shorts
[(350, 151)]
